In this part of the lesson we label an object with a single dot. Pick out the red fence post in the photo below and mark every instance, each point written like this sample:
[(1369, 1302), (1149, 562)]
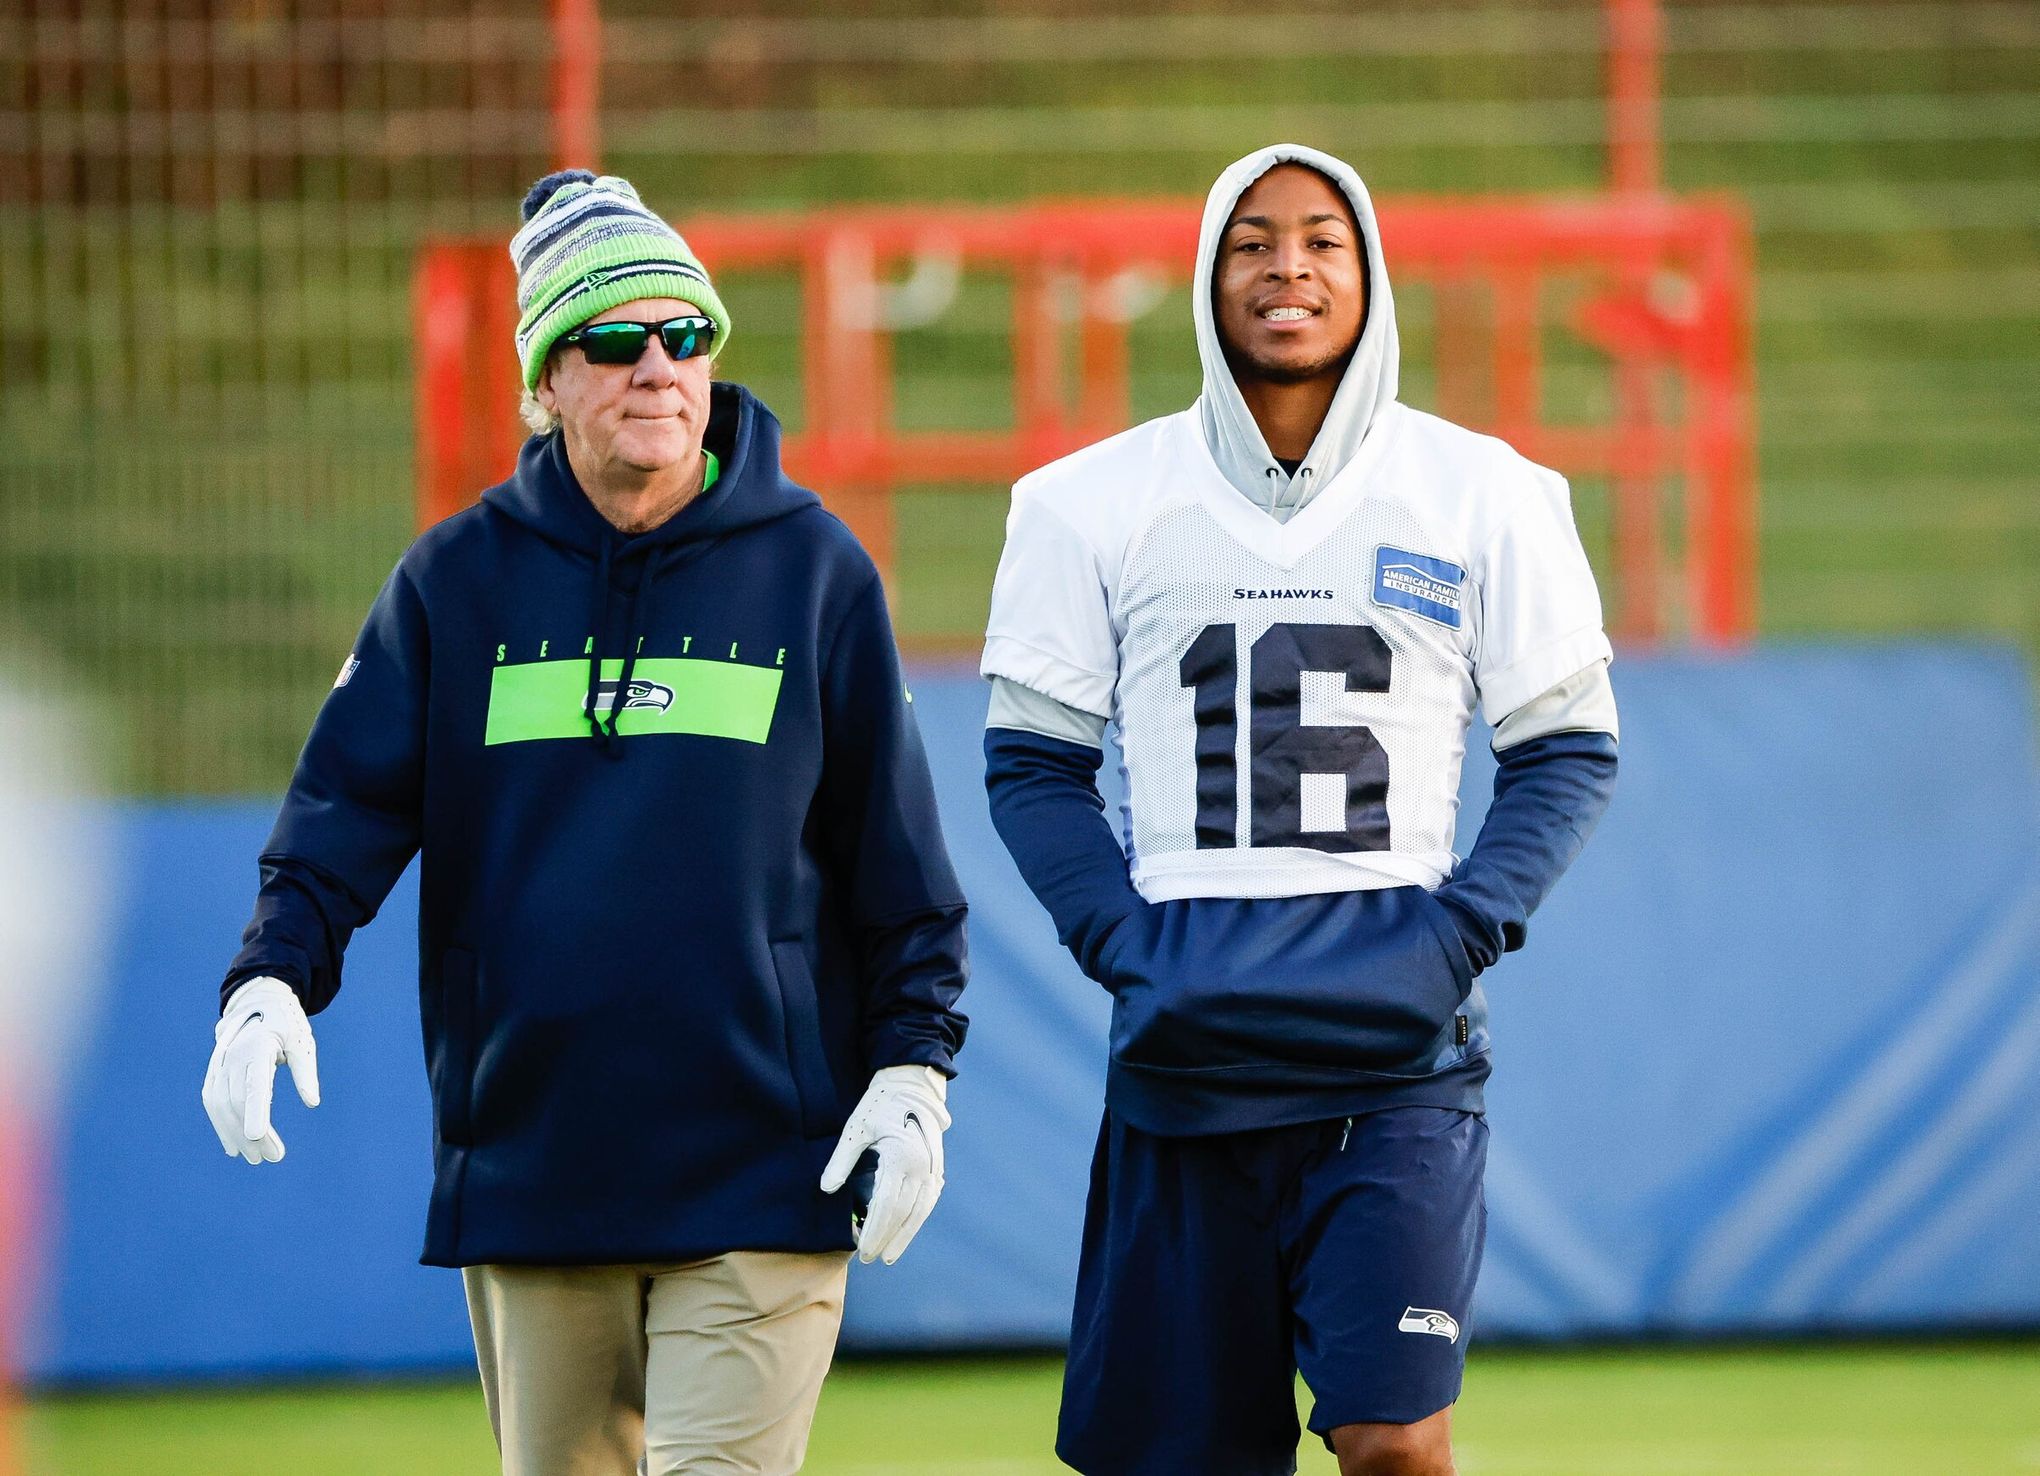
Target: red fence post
[(465, 398), (1635, 43), (444, 315), (848, 377), (1722, 479), (576, 83)]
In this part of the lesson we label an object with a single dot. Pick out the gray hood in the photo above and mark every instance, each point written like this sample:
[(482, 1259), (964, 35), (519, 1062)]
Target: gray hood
[(1368, 389)]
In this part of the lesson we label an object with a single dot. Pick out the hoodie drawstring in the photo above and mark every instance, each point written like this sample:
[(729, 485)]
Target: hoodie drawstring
[(633, 637), (640, 616), (1302, 485), (658, 561), (597, 618), (1275, 507)]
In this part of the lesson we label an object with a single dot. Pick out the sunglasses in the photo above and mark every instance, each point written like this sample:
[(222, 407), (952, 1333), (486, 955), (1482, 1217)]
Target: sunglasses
[(623, 343)]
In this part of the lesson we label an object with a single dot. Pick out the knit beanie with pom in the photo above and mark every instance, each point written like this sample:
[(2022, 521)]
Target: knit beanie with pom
[(588, 244)]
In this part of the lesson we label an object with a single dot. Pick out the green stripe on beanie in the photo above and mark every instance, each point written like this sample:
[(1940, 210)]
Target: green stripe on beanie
[(587, 245)]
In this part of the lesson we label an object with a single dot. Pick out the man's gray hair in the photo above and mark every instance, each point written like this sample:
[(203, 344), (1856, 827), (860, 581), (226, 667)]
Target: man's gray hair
[(539, 420)]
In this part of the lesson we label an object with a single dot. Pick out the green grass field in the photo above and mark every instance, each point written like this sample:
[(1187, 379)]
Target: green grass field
[(1926, 1410)]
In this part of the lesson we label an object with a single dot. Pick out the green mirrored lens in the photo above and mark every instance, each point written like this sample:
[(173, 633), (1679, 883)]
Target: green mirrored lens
[(686, 337), (614, 343)]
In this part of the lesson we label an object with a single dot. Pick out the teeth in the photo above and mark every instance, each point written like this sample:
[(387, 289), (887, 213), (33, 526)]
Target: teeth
[(1285, 315)]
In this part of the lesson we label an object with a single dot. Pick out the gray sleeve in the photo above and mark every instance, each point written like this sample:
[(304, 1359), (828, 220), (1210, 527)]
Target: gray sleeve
[(1015, 706), (1583, 703)]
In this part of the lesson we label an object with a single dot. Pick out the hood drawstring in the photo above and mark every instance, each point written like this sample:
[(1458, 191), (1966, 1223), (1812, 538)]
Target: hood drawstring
[(1276, 509), (658, 561), (597, 618), (633, 637), (639, 617), (1301, 481)]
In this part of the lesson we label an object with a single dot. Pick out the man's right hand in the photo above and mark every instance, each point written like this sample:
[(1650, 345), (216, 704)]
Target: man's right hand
[(264, 1025)]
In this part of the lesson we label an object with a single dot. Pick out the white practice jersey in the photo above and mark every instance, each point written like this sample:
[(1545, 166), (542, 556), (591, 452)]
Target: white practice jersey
[(1293, 698)]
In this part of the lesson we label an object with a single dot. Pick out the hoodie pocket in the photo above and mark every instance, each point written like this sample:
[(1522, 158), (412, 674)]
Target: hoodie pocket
[(812, 1083), (1449, 942), (454, 1070), (1348, 981)]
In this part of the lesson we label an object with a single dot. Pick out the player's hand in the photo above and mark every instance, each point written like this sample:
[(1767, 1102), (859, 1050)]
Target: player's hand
[(902, 1116), (263, 1027)]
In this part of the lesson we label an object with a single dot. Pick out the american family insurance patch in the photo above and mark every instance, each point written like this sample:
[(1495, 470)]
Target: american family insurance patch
[(1432, 588)]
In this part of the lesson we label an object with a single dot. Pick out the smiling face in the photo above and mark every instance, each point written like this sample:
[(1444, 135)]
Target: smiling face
[(642, 418), (1289, 287)]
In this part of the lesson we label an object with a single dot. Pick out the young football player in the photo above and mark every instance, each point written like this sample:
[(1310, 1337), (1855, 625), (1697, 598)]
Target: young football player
[(1290, 599)]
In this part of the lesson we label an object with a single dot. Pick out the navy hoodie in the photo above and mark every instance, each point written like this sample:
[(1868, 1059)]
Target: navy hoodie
[(682, 886)]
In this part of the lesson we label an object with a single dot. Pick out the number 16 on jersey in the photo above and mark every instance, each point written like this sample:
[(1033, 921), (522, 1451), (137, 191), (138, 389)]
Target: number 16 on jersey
[(1324, 787)]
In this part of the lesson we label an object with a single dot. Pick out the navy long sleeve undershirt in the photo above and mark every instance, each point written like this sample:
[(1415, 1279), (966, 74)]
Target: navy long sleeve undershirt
[(1550, 793), (1046, 808)]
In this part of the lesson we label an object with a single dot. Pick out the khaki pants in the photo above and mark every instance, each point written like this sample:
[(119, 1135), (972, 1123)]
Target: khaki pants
[(712, 1367)]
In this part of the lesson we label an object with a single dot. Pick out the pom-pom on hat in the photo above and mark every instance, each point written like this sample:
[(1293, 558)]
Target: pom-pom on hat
[(588, 244)]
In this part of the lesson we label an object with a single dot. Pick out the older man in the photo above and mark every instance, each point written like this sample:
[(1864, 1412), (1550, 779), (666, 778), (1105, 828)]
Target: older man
[(682, 892)]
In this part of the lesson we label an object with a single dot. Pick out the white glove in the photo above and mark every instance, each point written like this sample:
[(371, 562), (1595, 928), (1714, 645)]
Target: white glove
[(264, 1025), (902, 1115)]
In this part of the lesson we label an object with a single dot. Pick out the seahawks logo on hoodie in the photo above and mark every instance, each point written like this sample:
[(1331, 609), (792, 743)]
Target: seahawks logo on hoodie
[(641, 694), (667, 694)]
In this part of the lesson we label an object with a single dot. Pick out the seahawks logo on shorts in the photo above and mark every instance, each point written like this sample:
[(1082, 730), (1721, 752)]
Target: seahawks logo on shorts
[(1429, 1320), (641, 694)]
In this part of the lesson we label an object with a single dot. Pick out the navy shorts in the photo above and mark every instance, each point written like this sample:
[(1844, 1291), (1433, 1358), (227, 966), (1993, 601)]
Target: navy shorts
[(1214, 1268)]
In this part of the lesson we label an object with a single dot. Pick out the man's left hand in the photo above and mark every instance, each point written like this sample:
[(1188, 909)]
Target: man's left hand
[(902, 1116)]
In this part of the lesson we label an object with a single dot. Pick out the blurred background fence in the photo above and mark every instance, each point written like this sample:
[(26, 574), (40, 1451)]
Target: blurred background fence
[(209, 215)]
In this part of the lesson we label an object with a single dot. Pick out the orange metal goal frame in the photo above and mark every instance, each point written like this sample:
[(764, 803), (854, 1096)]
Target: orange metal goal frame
[(1666, 291)]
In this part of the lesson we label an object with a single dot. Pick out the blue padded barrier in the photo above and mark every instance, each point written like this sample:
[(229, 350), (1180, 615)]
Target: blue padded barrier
[(1770, 1062)]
